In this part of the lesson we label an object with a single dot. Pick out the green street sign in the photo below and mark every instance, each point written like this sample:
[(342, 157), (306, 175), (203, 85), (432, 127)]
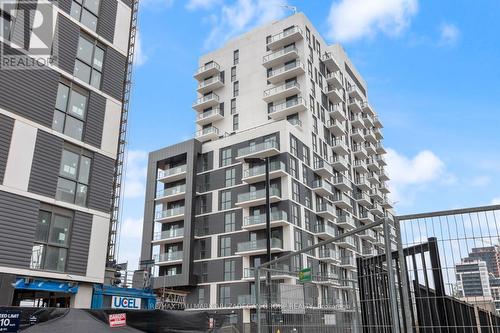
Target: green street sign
[(305, 275)]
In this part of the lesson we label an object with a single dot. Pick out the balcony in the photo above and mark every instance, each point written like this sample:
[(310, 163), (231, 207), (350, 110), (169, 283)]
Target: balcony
[(357, 135), (171, 194), (378, 134), (363, 199), (383, 188), (286, 72), (348, 263), (366, 217), (359, 152), (342, 183), (346, 222), (357, 121), (368, 235), (168, 236), (257, 198), (257, 222), (281, 92), (360, 166), (379, 241), (206, 102), (169, 258), (280, 56), (323, 168), (383, 175), (336, 127), (260, 150), (386, 203), (330, 256), (354, 105), (372, 164), (326, 210), (362, 183), (376, 122), (172, 174), (381, 161), (370, 148), (341, 200), (325, 231), (373, 178), (208, 133), (367, 108), (368, 120), (334, 79), (370, 136), (207, 70), (339, 163), (337, 113), (336, 95), (282, 110), (380, 148), (322, 187), (368, 252), (209, 116), (210, 84), (340, 147), (170, 215), (355, 92), (330, 62), (376, 209), (295, 122), (347, 243), (257, 174), (259, 247), (285, 37), (375, 194), (277, 272)]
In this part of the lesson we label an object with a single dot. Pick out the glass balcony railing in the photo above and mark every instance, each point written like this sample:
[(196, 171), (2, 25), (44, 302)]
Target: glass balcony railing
[(207, 82), (279, 53), (260, 244), (212, 65), (286, 105), (258, 147), (284, 69), (208, 114), (284, 34), (281, 88), (169, 256), (261, 169), (167, 234), (329, 254), (171, 191), (259, 219), (207, 131), (321, 184), (325, 207), (207, 98), (259, 194), (325, 229), (169, 213), (348, 261), (171, 172), (249, 273)]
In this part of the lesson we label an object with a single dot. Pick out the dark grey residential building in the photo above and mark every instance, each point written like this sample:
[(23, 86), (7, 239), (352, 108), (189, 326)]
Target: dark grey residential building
[(60, 123)]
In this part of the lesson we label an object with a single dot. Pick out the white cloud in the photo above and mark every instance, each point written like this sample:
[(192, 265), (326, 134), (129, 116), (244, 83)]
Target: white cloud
[(354, 19), (140, 57), (409, 175), (135, 173), (449, 34), (202, 4), (495, 201), (131, 228), (480, 181), (241, 16)]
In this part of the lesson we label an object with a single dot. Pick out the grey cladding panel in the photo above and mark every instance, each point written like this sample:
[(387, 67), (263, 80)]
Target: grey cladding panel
[(18, 217), (46, 163), (65, 5), (6, 127), (95, 119), (128, 2), (101, 183), (29, 93), (66, 43), (107, 19), (79, 243), (114, 73)]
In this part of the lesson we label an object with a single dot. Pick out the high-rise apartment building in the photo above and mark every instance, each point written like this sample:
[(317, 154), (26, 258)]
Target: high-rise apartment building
[(473, 283), (279, 91), (60, 124), (490, 255)]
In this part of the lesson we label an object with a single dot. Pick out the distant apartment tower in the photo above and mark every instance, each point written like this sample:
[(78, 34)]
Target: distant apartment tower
[(490, 255), (281, 92), (473, 283), (59, 135)]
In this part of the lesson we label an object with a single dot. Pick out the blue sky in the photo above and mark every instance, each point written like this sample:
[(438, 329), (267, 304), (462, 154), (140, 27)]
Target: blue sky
[(433, 73)]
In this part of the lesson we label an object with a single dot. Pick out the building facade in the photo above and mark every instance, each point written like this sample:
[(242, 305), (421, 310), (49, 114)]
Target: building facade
[(281, 92), (59, 137), (473, 283), (490, 255)]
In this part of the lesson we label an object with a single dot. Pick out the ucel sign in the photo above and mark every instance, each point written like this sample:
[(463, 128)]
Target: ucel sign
[(121, 302)]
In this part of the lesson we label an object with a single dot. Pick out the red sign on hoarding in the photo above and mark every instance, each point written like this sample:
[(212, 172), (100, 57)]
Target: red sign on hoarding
[(117, 320)]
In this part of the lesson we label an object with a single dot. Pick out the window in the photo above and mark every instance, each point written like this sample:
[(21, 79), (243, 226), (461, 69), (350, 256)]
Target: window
[(307, 220), (314, 142), (313, 88), (229, 221), (229, 270), (295, 191), (205, 164), (233, 74), (236, 57), (315, 125), (174, 270), (204, 272), (236, 88), (203, 248), (308, 35), (225, 200), (86, 11), (236, 122), (224, 295), (293, 145), (89, 62), (293, 167), (226, 158), (233, 106), (203, 204), (70, 110), (308, 199), (73, 181), (201, 296), (5, 24), (295, 213), (50, 249), (306, 154), (298, 240), (230, 177), (225, 246)]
